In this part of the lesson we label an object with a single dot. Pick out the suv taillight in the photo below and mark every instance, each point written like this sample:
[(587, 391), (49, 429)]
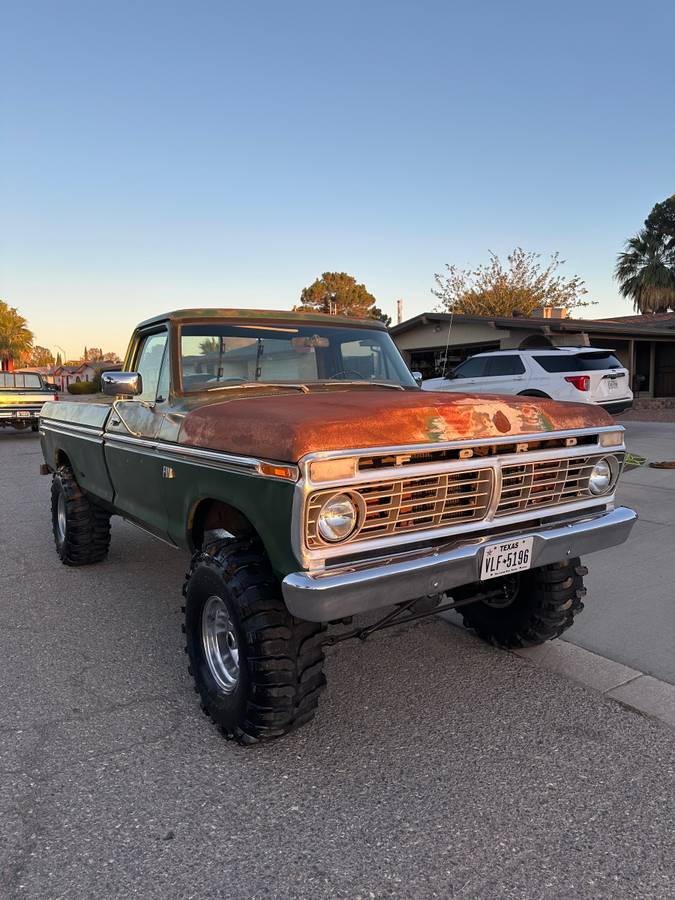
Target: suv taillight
[(580, 382), (56, 396)]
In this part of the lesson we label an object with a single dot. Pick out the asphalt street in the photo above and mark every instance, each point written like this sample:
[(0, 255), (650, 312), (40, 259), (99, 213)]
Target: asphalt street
[(437, 767)]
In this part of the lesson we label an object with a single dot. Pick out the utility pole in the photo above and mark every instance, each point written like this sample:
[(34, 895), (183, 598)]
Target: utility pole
[(399, 311)]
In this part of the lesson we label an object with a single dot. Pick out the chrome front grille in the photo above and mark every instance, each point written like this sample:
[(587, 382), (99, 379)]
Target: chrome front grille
[(443, 499), (412, 504), (528, 485)]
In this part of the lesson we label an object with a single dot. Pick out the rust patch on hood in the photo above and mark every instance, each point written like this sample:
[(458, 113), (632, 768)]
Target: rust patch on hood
[(287, 427), (501, 422)]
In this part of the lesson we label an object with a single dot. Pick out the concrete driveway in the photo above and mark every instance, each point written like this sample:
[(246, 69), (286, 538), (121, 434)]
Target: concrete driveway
[(437, 767)]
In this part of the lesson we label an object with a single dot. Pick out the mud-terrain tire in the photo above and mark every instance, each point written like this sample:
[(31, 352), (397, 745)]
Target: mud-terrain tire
[(545, 604), (81, 527), (257, 669)]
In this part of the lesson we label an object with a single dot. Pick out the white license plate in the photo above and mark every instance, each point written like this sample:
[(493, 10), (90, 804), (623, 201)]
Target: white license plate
[(23, 414), (506, 558), (612, 385)]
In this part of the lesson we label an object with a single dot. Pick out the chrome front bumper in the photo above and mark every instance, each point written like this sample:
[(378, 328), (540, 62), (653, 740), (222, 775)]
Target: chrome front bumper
[(336, 593)]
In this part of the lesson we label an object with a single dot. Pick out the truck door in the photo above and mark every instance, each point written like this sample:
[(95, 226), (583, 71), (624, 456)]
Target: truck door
[(131, 432)]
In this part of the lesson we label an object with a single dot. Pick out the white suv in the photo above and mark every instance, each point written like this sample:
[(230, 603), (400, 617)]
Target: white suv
[(581, 374)]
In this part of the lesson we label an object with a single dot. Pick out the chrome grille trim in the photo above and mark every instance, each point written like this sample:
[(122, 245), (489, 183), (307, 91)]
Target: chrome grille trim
[(314, 558), (434, 502), (408, 505), (532, 485)]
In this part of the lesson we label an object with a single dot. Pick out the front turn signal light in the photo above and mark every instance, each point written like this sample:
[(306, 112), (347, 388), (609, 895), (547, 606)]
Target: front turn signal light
[(289, 473), (611, 438)]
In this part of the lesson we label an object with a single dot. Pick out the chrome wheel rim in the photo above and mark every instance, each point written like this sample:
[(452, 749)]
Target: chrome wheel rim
[(220, 644), (61, 517)]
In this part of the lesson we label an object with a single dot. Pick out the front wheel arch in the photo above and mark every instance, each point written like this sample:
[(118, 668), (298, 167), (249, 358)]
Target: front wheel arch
[(217, 516)]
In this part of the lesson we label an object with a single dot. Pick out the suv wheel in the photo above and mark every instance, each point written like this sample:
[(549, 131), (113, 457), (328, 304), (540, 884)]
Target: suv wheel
[(538, 606), (257, 669)]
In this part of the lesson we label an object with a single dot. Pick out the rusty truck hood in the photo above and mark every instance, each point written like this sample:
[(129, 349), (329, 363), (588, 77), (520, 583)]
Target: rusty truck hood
[(287, 427)]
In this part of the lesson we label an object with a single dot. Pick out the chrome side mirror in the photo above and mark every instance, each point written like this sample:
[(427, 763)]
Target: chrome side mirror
[(417, 376), (117, 384)]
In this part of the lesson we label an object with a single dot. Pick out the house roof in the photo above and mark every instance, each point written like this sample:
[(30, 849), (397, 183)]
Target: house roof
[(535, 323), (101, 365), (649, 319)]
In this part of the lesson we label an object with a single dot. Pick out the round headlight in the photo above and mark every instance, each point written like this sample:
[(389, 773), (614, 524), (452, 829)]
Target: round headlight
[(601, 477), (337, 518)]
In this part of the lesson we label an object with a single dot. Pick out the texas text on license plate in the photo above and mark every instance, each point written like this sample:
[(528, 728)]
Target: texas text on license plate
[(507, 557)]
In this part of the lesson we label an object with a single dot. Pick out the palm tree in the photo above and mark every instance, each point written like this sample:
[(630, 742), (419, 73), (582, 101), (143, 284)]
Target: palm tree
[(15, 339), (646, 273)]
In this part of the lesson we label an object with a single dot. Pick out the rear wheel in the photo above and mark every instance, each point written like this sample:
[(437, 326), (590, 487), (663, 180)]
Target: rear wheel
[(535, 606), (81, 527), (257, 669)]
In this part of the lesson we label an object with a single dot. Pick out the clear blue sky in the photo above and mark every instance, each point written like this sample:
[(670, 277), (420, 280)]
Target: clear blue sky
[(157, 155)]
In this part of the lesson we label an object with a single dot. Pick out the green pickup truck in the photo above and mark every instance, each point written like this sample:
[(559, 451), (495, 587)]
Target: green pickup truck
[(22, 396), (295, 457)]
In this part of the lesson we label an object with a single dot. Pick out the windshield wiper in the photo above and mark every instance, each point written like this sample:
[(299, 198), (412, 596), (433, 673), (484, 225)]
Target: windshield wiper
[(265, 384), (384, 384)]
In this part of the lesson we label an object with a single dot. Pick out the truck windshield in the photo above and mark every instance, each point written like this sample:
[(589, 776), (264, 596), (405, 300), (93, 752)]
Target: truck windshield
[(222, 354), (20, 380)]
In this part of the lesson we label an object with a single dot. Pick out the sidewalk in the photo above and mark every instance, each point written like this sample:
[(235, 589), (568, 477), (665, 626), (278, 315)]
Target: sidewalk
[(630, 609)]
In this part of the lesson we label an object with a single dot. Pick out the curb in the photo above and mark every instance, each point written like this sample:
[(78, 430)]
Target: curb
[(630, 687)]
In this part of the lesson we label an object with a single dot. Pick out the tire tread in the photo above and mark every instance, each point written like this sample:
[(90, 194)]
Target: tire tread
[(284, 655), (554, 598), (88, 524)]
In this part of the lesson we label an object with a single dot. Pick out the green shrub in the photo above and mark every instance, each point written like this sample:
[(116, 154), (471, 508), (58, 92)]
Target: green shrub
[(83, 387)]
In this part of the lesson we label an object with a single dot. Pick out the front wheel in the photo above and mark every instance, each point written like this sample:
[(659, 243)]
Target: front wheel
[(534, 607), (257, 669)]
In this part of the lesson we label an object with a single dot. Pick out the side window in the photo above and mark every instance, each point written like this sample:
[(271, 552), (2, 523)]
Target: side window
[(473, 368), (505, 365), (149, 365)]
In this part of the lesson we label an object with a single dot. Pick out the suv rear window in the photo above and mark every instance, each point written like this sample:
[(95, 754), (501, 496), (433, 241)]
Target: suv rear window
[(578, 362)]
